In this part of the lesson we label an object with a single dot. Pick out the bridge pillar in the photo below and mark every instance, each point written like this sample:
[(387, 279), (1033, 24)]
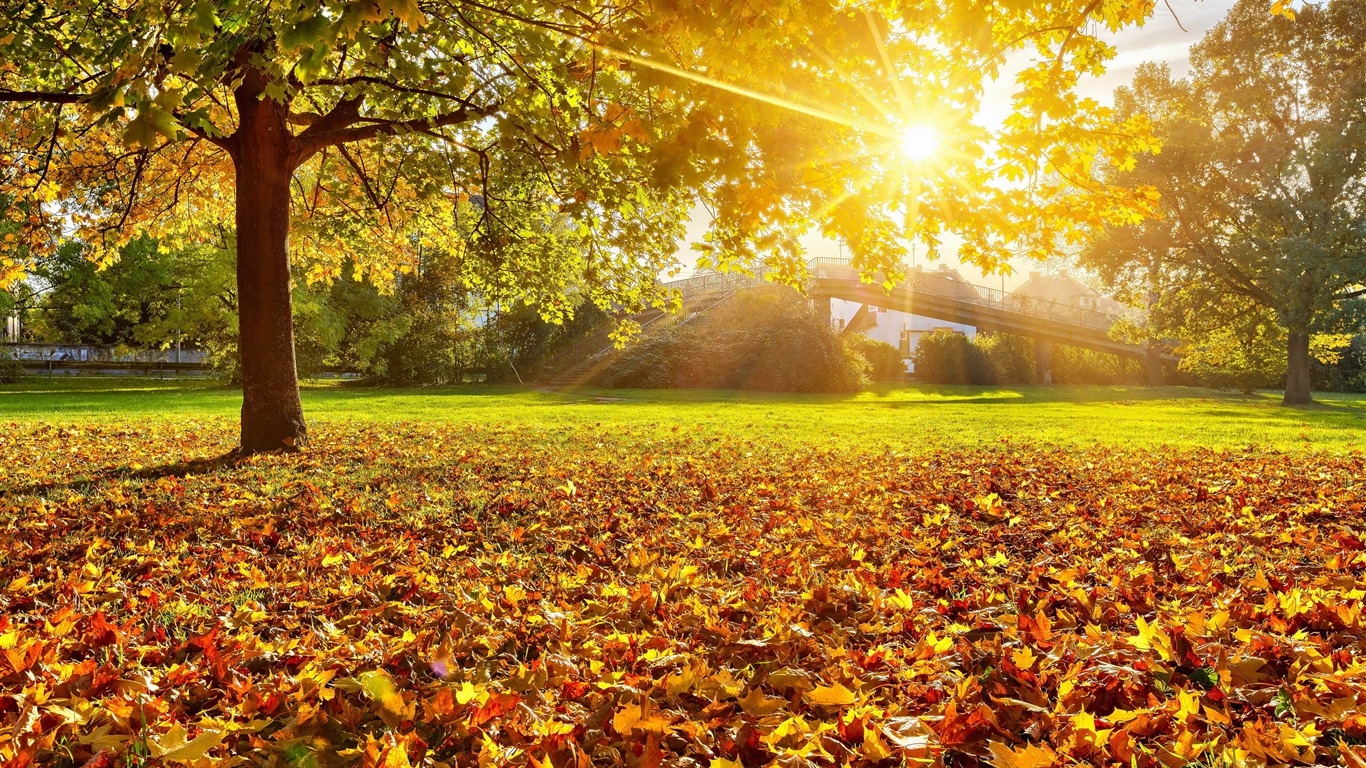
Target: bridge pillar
[(1043, 360), (822, 305), (1154, 364)]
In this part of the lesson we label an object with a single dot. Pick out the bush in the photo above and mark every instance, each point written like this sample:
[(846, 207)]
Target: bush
[(768, 340), (1072, 365), (520, 343), (1011, 357), (1345, 374), (11, 370), (945, 357), (1242, 359), (882, 361)]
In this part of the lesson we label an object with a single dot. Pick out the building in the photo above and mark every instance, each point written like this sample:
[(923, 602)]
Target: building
[(1057, 295), (902, 330), (1062, 290)]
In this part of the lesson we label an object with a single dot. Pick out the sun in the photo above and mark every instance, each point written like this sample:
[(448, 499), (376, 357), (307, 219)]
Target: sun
[(919, 142)]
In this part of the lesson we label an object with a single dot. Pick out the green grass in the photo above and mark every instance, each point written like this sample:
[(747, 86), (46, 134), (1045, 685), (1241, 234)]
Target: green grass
[(912, 417)]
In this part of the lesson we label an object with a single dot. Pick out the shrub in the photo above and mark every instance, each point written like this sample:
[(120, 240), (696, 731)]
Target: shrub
[(11, 370), (1072, 365), (1240, 359), (768, 340), (1346, 373), (520, 343), (882, 361), (945, 357), (1011, 357)]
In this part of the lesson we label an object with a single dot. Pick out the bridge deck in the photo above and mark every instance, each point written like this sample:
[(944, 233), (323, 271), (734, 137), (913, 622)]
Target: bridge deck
[(941, 297)]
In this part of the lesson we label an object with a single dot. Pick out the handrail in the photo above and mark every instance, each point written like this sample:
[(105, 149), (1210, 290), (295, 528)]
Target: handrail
[(722, 285), (929, 283)]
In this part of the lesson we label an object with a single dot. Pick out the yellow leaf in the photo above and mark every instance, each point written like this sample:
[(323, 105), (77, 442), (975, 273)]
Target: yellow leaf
[(831, 696), (902, 600), (173, 746), (756, 703), (466, 694), (1029, 756)]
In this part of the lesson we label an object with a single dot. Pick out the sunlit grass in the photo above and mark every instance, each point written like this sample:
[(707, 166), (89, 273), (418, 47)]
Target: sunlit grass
[(896, 418)]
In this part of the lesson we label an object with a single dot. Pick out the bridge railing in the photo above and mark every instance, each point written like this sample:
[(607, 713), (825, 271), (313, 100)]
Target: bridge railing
[(925, 283), (712, 283), (934, 284)]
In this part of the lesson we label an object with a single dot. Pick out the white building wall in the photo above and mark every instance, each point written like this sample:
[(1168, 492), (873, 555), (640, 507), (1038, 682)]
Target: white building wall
[(892, 326)]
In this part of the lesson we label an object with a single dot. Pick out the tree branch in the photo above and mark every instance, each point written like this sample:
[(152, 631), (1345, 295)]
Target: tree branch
[(343, 115), (391, 85), (42, 97), (365, 182), (311, 140)]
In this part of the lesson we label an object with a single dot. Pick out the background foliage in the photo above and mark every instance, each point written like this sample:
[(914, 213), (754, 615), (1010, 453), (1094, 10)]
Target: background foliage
[(768, 339)]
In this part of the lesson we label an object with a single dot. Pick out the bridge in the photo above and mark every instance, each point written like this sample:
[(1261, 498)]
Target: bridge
[(928, 294), (943, 297)]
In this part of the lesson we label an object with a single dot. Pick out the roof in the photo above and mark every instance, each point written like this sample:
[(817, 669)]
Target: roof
[(1063, 289)]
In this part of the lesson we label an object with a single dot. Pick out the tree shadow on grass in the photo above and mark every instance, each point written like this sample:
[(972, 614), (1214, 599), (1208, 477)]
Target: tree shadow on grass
[(84, 483)]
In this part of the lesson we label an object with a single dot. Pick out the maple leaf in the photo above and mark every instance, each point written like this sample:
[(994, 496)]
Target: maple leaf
[(1028, 756), (830, 696), (174, 746)]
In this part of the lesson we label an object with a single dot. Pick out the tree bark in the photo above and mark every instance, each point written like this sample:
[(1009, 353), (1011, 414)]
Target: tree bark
[(263, 157), (1297, 370)]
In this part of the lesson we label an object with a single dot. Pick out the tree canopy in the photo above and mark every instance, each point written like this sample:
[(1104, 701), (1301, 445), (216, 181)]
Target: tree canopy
[(547, 144), (1262, 176)]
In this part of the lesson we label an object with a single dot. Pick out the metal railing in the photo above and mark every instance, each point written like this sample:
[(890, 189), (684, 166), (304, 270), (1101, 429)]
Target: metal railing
[(960, 291), (712, 283), (923, 283), (721, 285)]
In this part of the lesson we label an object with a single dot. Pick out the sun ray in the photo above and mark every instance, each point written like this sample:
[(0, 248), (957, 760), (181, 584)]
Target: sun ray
[(862, 90), (864, 126), (902, 100)]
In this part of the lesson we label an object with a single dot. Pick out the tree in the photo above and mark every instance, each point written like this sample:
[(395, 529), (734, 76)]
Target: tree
[(768, 340), (151, 297), (1262, 172), (946, 357), (359, 131)]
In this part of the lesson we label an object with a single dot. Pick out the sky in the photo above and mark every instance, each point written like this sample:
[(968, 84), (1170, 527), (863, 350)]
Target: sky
[(1161, 39)]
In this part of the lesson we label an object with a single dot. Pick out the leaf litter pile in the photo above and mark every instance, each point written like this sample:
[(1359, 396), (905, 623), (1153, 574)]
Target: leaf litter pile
[(499, 596)]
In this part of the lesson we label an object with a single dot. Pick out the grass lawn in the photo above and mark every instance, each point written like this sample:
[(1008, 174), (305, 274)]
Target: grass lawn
[(904, 418)]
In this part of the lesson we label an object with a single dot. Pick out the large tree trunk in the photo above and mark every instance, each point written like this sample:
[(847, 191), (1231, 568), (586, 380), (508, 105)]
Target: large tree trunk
[(1297, 370), (272, 417)]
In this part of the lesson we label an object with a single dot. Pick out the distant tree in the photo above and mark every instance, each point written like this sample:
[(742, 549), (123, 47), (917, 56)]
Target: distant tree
[(151, 298), (1263, 182), (945, 357), (358, 131), (768, 340), (83, 304), (883, 361)]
